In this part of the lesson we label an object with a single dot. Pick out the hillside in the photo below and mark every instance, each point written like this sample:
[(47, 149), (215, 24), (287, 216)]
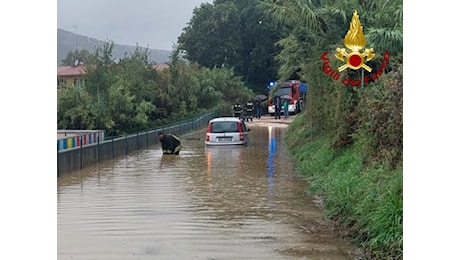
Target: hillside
[(66, 43)]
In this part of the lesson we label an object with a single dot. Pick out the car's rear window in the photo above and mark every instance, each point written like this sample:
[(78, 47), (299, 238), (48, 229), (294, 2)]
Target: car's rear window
[(224, 127)]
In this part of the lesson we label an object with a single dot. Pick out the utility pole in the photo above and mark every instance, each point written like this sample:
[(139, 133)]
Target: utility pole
[(76, 46)]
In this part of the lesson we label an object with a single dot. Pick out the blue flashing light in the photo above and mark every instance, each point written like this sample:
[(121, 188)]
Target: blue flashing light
[(303, 88)]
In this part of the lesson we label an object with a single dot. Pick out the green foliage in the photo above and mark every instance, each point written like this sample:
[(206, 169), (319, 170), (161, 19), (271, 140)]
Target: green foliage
[(348, 141), (319, 26), (82, 55), (235, 35), (381, 120), (387, 39), (130, 95), (74, 109), (381, 221), (367, 199)]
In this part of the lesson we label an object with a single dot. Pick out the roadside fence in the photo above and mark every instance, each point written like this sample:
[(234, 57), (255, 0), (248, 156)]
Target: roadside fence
[(84, 153)]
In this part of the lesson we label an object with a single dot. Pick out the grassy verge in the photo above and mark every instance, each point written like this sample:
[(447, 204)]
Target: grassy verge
[(364, 199)]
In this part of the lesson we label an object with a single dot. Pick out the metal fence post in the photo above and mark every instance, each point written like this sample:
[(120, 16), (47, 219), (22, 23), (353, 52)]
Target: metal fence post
[(126, 144), (98, 150), (81, 155), (182, 127), (58, 161)]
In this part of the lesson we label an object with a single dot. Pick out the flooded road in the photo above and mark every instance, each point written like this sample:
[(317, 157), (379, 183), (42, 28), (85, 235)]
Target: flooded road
[(206, 203)]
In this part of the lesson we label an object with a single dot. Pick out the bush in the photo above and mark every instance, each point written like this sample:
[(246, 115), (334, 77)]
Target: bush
[(366, 199)]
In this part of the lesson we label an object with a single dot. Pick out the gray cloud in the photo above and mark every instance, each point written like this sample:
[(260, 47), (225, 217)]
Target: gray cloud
[(153, 23)]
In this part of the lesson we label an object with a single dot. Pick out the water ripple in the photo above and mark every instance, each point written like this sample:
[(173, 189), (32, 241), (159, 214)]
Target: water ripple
[(224, 203)]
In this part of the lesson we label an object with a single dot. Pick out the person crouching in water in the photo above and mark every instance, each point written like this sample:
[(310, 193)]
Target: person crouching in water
[(169, 143)]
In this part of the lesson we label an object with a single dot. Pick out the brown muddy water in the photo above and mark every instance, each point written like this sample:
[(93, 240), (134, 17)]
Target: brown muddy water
[(206, 203)]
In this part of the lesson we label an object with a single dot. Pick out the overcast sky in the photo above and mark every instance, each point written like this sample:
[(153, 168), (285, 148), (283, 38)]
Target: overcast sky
[(152, 23)]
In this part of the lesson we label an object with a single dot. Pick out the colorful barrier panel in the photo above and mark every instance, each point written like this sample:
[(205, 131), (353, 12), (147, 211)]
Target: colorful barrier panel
[(78, 140), (73, 159)]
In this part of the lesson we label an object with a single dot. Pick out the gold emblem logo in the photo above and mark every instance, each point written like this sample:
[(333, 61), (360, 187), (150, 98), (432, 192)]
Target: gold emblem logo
[(355, 41)]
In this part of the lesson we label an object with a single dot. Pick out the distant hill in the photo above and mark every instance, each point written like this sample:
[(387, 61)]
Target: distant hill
[(66, 43)]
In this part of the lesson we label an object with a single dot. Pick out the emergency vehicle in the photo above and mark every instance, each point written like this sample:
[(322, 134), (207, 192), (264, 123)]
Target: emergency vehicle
[(291, 89)]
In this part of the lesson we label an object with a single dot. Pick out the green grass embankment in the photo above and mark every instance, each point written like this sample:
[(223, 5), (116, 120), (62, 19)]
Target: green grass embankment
[(364, 199)]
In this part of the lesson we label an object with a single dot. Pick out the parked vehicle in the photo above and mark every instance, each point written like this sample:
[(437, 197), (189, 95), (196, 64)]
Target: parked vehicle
[(227, 131), (291, 91)]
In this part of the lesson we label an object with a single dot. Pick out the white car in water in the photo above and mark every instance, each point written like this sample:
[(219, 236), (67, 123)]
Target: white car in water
[(227, 131)]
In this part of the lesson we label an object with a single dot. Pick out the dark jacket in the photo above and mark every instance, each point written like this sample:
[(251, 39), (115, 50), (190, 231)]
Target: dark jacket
[(237, 108), (277, 102), (170, 144), (249, 106)]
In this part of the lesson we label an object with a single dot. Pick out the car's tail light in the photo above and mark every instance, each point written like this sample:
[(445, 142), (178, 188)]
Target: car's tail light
[(208, 132), (209, 128), (240, 129)]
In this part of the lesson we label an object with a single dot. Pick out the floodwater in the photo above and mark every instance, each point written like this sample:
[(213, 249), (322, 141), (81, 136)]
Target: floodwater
[(206, 203)]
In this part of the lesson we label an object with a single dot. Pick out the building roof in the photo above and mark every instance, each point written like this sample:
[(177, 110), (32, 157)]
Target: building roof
[(80, 70), (161, 67), (71, 70)]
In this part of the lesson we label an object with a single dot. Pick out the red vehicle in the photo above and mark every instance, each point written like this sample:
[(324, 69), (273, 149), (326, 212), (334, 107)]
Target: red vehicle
[(288, 90)]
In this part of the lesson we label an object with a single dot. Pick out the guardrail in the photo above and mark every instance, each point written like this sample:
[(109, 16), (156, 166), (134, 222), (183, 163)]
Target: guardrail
[(83, 155)]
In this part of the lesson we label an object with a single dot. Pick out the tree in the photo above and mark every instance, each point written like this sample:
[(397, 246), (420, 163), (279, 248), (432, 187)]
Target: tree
[(82, 55), (130, 95), (368, 119), (319, 26), (235, 35), (74, 109)]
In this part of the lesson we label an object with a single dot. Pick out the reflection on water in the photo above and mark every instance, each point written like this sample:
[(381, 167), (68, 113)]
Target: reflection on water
[(206, 203), (271, 153)]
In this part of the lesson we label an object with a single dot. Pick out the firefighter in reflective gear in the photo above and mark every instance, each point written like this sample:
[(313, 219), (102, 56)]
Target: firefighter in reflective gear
[(249, 110), (169, 143), (237, 110)]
